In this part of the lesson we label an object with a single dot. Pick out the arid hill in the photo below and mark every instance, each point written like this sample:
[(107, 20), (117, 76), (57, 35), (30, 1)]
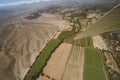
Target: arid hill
[(21, 40)]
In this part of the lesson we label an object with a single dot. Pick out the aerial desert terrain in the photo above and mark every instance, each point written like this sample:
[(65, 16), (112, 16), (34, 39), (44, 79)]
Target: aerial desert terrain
[(21, 40), (64, 40)]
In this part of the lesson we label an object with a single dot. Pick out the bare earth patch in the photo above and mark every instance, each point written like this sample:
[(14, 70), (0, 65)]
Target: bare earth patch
[(99, 42), (43, 78), (56, 35)]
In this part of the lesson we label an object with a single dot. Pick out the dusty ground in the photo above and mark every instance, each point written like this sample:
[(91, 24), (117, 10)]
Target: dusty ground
[(56, 64), (43, 78), (74, 68), (99, 42), (21, 41), (56, 35)]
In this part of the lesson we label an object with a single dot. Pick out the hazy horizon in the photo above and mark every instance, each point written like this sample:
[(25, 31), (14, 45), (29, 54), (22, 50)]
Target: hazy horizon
[(4, 3), (19, 2)]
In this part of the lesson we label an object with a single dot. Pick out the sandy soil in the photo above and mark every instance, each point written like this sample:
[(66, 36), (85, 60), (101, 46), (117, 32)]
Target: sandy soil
[(57, 62), (74, 68), (92, 15), (43, 78), (99, 42), (56, 35)]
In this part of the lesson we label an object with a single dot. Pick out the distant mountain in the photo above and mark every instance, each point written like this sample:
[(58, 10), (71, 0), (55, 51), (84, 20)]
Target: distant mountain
[(57, 2), (3, 11), (7, 11), (33, 6), (96, 1)]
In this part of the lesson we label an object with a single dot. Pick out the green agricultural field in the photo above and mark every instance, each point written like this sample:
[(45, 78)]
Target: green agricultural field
[(85, 42), (81, 42), (89, 41), (42, 59), (93, 68)]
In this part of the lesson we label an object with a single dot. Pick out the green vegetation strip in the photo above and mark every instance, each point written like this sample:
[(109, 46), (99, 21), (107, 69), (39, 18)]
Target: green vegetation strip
[(42, 58), (93, 68), (89, 42)]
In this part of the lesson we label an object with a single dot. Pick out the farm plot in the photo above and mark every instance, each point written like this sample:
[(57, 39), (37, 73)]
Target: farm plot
[(56, 65), (99, 42), (74, 68), (93, 68)]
